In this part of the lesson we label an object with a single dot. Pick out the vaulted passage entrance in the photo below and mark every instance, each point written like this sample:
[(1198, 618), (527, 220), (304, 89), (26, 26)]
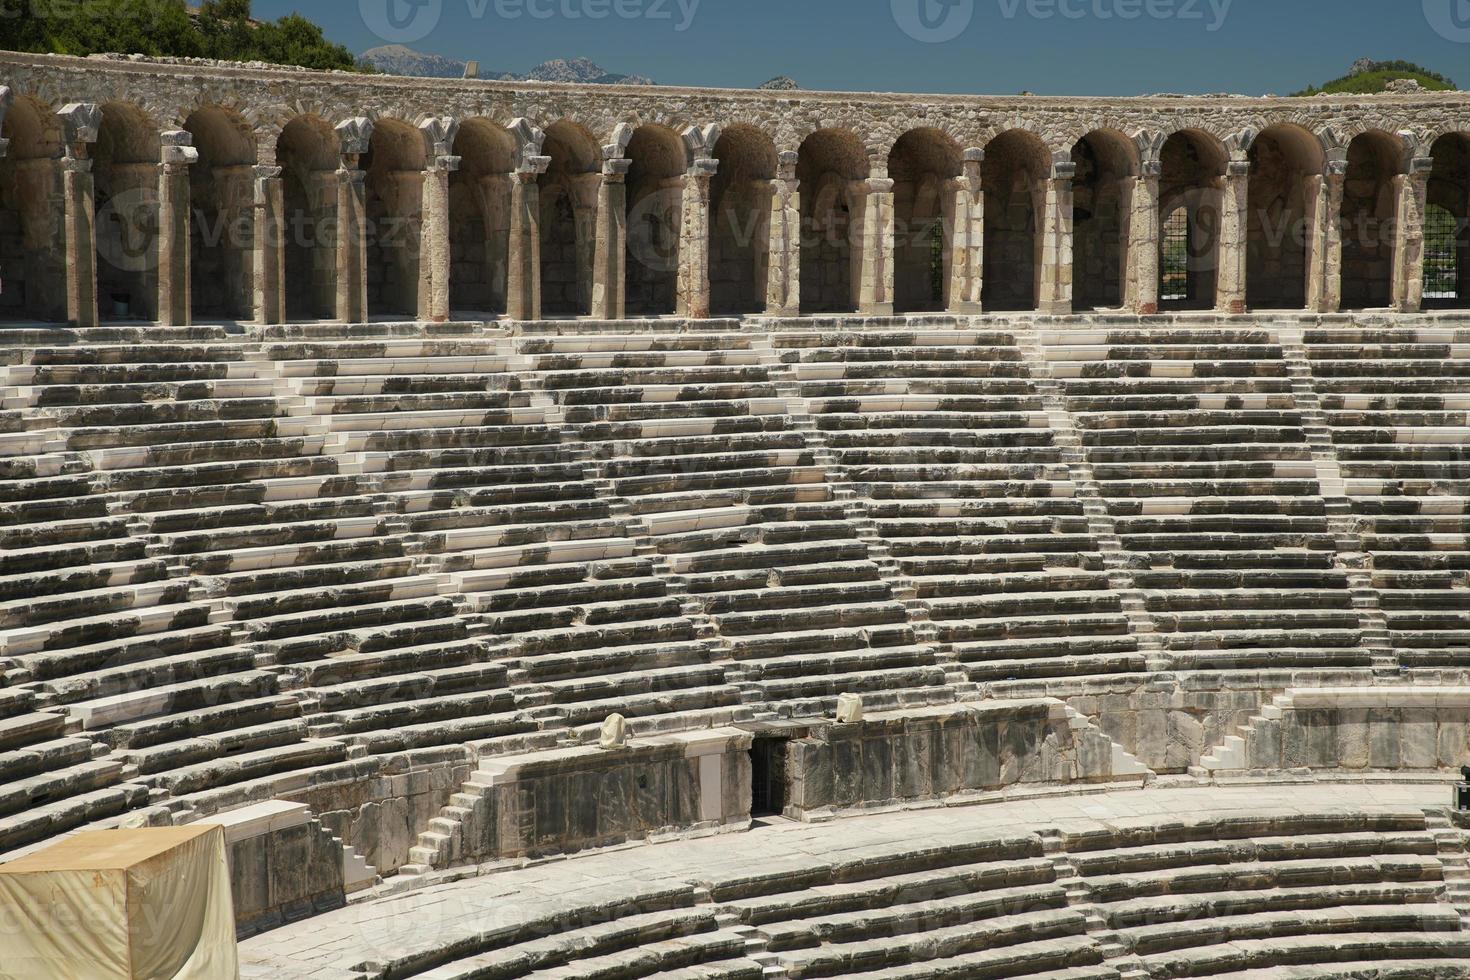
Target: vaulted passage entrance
[(830, 170), (1446, 240), (1016, 168), (740, 209), (479, 217), (1102, 196), (655, 200), (125, 175), (222, 204), (568, 196), (395, 164), (32, 261), (923, 164), (1286, 164), (1193, 165), (307, 154)]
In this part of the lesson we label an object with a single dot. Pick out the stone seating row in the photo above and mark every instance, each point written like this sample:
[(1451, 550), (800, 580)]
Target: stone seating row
[(972, 496), (1396, 404)]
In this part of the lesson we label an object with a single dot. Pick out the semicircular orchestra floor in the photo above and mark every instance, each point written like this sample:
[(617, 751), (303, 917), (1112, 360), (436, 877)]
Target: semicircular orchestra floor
[(1262, 882)]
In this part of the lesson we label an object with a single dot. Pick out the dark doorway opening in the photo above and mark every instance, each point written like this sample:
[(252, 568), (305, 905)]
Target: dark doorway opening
[(768, 777)]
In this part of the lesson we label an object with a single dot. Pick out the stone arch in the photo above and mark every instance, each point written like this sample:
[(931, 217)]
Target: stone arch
[(740, 217), (1285, 159), (830, 165), (1102, 198), (655, 200), (307, 153), (394, 189), (1191, 167), (1017, 164), (479, 216), (922, 164), (222, 213), (1369, 208), (32, 257), (125, 181), (1447, 231), (568, 202)]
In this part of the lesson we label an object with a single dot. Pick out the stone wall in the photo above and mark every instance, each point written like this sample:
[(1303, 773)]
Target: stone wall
[(947, 752)]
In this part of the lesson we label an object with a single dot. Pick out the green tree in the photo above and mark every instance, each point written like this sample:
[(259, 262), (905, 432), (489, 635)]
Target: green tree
[(167, 28)]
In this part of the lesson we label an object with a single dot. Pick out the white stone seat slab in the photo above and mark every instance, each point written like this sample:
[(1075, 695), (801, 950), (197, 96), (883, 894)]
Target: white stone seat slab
[(504, 561), (679, 522), (443, 419)]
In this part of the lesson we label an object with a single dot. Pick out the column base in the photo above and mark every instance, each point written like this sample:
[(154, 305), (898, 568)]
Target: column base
[(1055, 309), (876, 309), (1147, 309), (965, 309), (1235, 307), (783, 312)]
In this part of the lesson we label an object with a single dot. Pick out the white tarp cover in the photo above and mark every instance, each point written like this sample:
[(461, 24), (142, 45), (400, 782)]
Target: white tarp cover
[(146, 904)]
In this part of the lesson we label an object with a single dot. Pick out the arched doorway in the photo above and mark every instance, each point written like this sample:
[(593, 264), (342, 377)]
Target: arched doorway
[(32, 252), (1446, 238), (1106, 161), (655, 206), (222, 205), (307, 154), (829, 163), (479, 217), (1369, 205), (922, 164), (125, 181), (1016, 167), (394, 190), (1192, 166), (1283, 159), (740, 209), (568, 201)]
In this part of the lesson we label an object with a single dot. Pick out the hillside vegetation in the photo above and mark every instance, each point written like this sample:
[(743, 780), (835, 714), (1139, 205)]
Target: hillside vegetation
[(220, 29), (1370, 78)]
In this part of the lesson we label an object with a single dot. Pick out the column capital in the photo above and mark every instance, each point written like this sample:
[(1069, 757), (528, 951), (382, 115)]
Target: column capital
[(446, 163), (1335, 170), (76, 165), (354, 135), (880, 185), (1064, 170), (261, 172), (80, 122), (1421, 167), (439, 133), (176, 150), (614, 170), (703, 169), (1237, 169), (786, 162), (1151, 169), (531, 167)]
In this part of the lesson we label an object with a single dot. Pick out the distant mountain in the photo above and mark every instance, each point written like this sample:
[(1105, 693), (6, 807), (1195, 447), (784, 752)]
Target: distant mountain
[(781, 83), (584, 71), (398, 59)]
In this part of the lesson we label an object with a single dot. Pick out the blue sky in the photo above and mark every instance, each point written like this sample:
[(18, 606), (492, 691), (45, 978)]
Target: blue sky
[(1081, 47)]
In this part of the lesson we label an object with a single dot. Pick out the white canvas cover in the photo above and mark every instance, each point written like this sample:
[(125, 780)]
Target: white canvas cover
[(146, 904)]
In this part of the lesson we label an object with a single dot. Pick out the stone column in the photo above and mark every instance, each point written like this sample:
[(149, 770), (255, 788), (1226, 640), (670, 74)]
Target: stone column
[(269, 258), (1411, 191), (1055, 295), (353, 137), (967, 237), (875, 283), (80, 122), (1324, 246), (783, 267), (523, 269), (1143, 241), (439, 133), (1234, 201), (693, 282), (174, 294), (610, 260)]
